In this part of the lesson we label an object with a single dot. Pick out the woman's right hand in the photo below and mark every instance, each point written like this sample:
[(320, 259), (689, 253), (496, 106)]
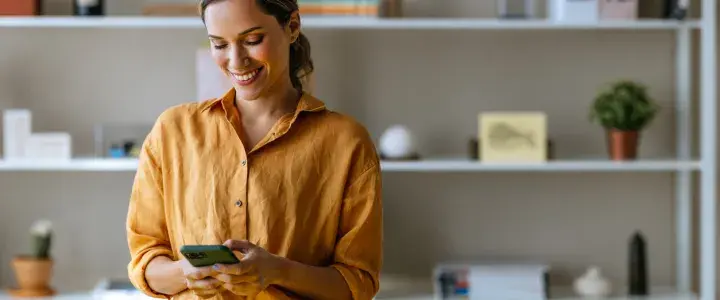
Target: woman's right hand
[(200, 280)]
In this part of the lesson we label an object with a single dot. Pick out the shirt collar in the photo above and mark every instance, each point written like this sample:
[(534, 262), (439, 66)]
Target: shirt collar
[(307, 102)]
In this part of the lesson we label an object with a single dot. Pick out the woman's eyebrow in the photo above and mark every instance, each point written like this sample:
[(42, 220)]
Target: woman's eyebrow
[(249, 30)]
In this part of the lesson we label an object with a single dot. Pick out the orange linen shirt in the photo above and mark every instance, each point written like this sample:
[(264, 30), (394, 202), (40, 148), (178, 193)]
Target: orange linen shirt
[(309, 191)]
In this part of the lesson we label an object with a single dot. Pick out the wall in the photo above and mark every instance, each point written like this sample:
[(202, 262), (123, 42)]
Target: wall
[(435, 82)]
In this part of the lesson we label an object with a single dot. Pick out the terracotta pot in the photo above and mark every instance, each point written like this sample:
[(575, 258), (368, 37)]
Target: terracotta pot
[(623, 145), (33, 274)]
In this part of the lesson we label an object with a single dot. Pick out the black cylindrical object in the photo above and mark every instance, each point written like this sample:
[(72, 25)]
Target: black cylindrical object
[(88, 7), (637, 266)]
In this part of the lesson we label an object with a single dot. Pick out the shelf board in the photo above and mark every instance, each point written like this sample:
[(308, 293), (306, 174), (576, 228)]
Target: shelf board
[(430, 165), (659, 296), (557, 293), (348, 22), (135, 296), (585, 165)]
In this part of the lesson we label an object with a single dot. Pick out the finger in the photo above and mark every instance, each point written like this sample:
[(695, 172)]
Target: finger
[(200, 273), (204, 284), (233, 269), (243, 289), (206, 294), (243, 246), (234, 279)]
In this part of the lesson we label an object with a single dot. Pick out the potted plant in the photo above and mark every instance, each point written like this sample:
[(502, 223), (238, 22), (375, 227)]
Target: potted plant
[(623, 109), (34, 271)]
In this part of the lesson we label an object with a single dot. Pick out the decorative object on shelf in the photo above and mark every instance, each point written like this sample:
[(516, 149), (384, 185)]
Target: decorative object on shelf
[(21, 8), (574, 10), (21, 143), (618, 9), (492, 280), (513, 137), (474, 149), (592, 284), (516, 9), (390, 8), (397, 143), (339, 7), (120, 140), (623, 110), (675, 9), (33, 272), (17, 127), (637, 266), (49, 145), (88, 7), (211, 81)]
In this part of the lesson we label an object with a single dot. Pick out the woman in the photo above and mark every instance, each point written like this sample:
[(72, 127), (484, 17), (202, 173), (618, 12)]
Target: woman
[(265, 169)]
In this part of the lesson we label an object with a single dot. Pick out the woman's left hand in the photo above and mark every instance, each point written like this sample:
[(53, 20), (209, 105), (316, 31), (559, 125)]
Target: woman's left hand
[(257, 270)]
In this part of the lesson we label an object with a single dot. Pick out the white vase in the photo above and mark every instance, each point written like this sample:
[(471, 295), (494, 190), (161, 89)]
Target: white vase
[(397, 142), (592, 284)]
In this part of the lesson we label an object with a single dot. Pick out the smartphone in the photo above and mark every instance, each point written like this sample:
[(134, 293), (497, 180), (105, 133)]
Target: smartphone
[(208, 255)]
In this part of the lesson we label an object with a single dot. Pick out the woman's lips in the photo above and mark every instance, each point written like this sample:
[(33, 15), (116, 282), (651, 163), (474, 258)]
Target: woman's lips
[(247, 78)]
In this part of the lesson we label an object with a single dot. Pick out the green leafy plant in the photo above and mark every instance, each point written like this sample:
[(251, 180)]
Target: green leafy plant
[(623, 105), (41, 233)]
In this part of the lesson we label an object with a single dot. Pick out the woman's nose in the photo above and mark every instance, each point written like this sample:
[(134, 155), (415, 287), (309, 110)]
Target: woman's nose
[(239, 59)]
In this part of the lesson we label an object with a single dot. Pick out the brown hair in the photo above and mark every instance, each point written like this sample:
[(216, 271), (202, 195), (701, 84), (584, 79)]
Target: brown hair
[(301, 63)]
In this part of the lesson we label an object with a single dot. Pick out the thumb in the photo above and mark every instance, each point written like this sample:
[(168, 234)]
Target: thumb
[(243, 246)]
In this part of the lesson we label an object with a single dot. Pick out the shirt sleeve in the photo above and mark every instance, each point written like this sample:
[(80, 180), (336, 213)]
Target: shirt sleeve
[(358, 252), (146, 226)]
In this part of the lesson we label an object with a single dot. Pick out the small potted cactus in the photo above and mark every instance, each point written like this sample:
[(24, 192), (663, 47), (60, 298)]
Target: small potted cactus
[(34, 271)]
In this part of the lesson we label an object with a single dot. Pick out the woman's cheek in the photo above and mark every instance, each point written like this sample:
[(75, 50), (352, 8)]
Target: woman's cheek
[(262, 53)]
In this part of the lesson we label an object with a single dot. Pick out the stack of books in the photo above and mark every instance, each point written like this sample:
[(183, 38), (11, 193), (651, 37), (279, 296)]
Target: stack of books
[(492, 281), (339, 7)]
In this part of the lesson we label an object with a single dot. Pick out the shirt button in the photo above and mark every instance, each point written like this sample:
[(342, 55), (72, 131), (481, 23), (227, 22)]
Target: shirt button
[(238, 203), (244, 162)]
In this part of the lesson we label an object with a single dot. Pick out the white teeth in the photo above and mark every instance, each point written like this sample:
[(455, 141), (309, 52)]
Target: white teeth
[(247, 76)]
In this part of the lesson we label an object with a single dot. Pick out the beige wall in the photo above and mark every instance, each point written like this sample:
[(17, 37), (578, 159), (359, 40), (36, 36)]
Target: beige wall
[(74, 78)]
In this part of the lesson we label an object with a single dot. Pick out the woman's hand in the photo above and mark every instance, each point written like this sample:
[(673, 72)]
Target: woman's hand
[(257, 269), (201, 280)]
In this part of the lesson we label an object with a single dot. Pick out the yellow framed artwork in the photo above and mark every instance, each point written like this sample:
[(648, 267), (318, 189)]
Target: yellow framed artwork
[(513, 136)]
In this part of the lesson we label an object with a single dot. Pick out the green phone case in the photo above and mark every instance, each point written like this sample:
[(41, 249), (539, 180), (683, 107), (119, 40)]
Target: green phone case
[(208, 255)]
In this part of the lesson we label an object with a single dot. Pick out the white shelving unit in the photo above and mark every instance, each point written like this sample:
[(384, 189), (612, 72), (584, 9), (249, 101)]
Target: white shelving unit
[(346, 23), (425, 165), (684, 166)]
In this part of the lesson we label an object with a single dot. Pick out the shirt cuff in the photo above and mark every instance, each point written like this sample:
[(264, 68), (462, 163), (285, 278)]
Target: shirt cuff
[(137, 271), (361, 284)]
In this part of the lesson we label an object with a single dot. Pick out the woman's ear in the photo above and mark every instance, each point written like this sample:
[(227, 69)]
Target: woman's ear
[(293, 26)]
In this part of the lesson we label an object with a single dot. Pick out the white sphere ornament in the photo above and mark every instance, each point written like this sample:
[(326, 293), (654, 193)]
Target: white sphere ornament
[(397, 143), (592, 284)]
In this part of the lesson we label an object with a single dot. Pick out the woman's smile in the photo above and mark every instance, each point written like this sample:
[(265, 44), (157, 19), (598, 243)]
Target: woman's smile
[(248, 77)]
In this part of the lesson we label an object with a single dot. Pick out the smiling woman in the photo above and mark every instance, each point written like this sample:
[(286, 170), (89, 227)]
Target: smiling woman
[(239, 45), (266, 169)]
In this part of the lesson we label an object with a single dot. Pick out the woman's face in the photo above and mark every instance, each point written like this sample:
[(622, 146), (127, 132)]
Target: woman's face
[(250, 47)]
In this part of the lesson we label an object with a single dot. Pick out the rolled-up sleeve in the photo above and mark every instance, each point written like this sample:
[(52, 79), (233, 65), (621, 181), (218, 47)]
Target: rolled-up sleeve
[(146, 225), (358, 252)]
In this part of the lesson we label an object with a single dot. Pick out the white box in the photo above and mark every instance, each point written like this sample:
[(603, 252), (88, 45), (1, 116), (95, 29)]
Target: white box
[(17, 127), (618, 9), (491, 281), (49, 145), (575, 11)]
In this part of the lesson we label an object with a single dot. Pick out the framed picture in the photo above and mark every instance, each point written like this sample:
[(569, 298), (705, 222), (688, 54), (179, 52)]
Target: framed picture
[(513, 137)]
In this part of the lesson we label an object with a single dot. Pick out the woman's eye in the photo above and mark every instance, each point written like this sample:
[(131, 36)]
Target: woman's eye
[(219, 46), (254, 40)]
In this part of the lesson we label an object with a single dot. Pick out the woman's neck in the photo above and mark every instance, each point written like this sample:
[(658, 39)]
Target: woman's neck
[(269, 107)]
